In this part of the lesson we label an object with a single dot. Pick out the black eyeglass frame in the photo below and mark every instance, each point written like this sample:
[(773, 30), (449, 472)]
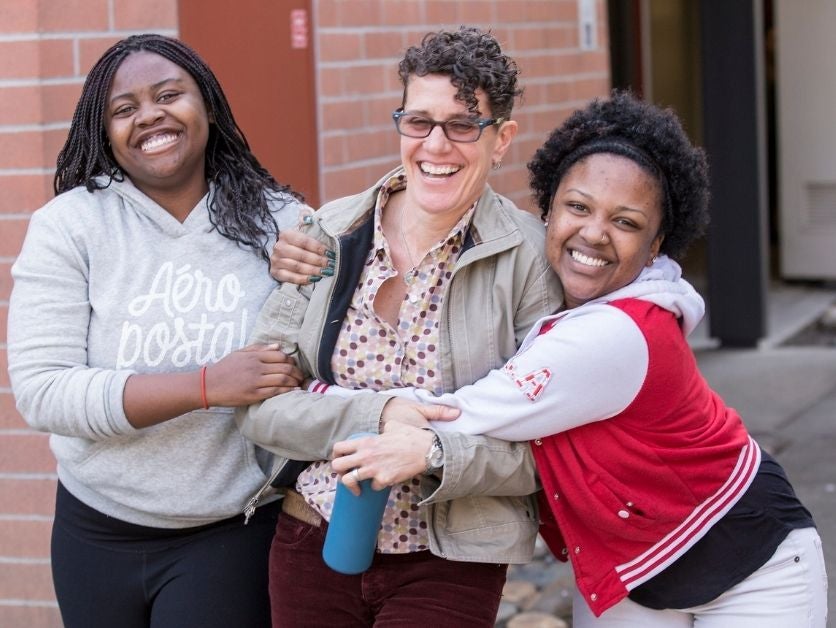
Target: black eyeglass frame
[(481, 123)]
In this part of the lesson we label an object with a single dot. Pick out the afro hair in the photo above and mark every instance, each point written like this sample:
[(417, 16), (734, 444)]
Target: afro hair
[(649, 135)]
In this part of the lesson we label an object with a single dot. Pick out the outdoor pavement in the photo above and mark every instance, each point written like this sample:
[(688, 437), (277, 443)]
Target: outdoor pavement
[(786, 395), (787, 398)]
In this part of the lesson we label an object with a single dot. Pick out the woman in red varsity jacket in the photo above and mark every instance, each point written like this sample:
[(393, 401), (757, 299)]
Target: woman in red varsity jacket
[(669, 511)]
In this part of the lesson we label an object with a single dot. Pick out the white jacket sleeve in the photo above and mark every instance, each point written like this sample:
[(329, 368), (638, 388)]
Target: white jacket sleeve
[(588, 367), (406, 392), (49, 316)]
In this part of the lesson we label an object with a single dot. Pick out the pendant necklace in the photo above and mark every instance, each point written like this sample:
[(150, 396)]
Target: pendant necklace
[(410, 275)]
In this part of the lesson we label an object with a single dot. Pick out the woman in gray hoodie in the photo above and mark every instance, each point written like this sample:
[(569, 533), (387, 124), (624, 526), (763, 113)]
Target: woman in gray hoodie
[(134, 294)]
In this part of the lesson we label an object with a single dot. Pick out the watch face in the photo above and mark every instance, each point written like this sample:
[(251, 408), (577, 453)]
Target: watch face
[(435, 458)]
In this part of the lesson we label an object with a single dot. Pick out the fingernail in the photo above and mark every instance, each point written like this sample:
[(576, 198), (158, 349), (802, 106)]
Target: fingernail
[(307, 220), (332, 263), (330, 254), (314, 278), (327, 272)]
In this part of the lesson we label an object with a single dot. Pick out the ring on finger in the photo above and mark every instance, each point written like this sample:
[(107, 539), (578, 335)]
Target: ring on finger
[(356, 474)]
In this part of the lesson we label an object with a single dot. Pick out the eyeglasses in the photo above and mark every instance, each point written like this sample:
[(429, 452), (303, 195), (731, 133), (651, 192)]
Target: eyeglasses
[(456, 130)]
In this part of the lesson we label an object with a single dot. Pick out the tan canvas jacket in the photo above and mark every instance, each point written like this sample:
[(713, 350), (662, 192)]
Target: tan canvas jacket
[(482, 507)]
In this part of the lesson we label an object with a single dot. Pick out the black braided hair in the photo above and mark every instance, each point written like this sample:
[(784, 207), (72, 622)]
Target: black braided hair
[(238, 207), (472, 59), (650, 136)]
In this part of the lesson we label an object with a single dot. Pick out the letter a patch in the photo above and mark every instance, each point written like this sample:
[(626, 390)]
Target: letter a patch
[(533, 384)]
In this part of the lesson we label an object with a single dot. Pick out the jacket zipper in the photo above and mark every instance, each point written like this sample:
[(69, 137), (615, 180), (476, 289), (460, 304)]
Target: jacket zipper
[(252, 503)]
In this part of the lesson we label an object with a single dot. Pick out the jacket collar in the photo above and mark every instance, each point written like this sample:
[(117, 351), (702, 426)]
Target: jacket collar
[(492, 226)]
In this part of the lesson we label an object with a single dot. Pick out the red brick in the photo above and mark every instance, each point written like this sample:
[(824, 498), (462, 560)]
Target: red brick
[(480, 14), (379, 111), (557, 37), (4, 314), (89, 51), (388, 44), (54, 141), (331, 82), (38, 104), (333, 150), (594, 61), (73, 15), (150, 15), (4, 368), (24, 193), (19, 59), (342, 115), (5, 281), (28, 59), (26, 453), (24, 538), (26, 581), (365, 80), (28, 496), (10, 418), (357, 12), (361, 146), (442, 12), (21, 149), (18, 16), (56, 58), (30, 616), (59, 102), (11, 236), (350, 180), (559, 92), (523, 148), (327, 15), (392, 81), (20, 105), (340, 47), (402, 13)]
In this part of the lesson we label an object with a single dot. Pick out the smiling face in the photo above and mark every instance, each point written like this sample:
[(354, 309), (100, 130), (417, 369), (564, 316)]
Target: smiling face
[(447, 177), (603, 226), (158, 126)]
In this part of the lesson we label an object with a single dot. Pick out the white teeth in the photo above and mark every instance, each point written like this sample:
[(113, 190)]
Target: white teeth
[(430, 169), (586, 260), (158, 140)]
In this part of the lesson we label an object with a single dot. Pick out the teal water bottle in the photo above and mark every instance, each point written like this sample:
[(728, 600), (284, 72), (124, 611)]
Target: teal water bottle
[(351, 538)]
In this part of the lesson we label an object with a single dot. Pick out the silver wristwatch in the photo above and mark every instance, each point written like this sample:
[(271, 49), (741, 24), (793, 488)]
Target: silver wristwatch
[(435, 456)]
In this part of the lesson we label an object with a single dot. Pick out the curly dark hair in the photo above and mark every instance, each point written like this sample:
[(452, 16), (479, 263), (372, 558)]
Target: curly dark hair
[(472, 59), (238, 207), (650, 136)]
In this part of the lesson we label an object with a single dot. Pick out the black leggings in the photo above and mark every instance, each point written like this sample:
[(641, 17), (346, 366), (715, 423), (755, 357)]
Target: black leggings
[(111, 573)]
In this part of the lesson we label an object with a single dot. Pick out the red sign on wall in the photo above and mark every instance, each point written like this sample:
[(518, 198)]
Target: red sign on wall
[(299, 28)]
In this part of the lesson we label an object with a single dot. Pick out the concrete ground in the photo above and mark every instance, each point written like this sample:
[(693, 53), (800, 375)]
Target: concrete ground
[(787, 398)]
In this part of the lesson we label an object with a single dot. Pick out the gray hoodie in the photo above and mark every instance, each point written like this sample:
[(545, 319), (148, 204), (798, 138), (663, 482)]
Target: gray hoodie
[(110, 284)]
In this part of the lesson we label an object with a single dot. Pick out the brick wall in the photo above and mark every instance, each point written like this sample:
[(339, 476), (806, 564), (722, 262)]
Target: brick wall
[(359, 43), (46, 48)]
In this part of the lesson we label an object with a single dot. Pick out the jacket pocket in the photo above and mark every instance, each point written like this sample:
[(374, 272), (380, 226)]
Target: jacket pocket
[(624, 515), (280, 319)]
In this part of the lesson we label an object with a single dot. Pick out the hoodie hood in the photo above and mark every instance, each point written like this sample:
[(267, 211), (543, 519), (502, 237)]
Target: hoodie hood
[(662, 284), (197, 220)]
